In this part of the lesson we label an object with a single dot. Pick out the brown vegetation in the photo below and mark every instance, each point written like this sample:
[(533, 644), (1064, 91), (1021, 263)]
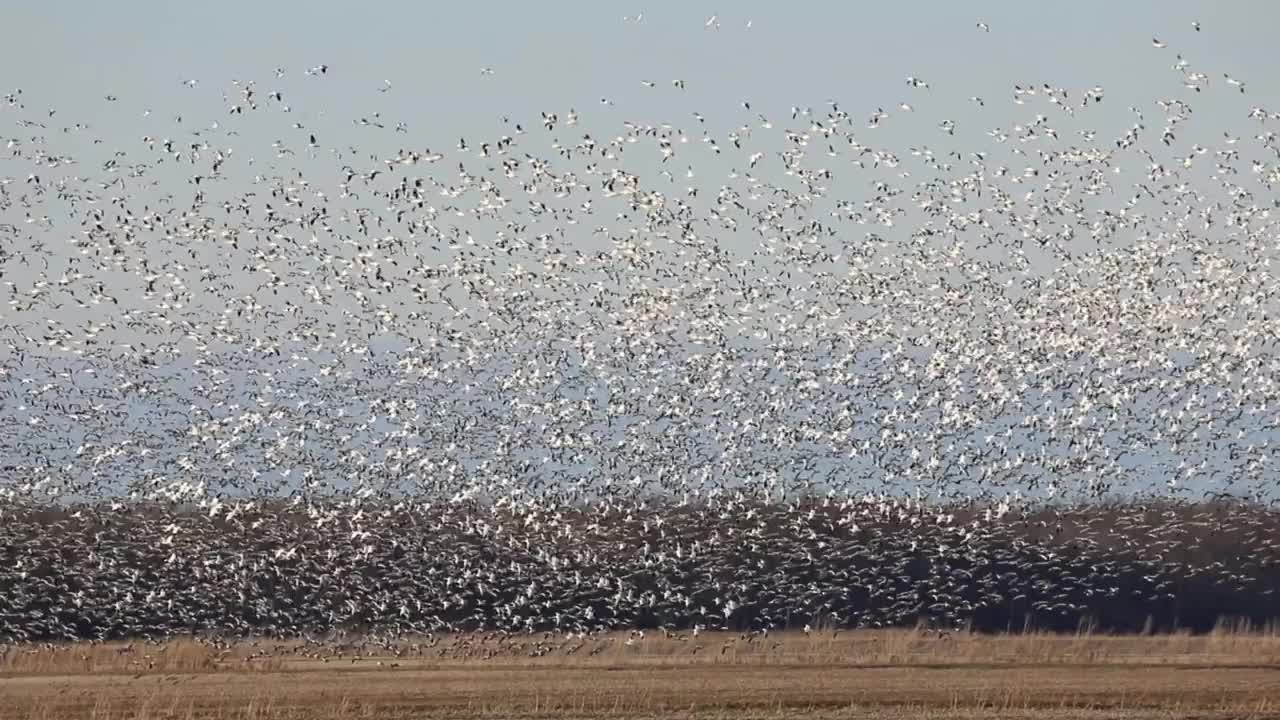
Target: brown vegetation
[(884, 674)]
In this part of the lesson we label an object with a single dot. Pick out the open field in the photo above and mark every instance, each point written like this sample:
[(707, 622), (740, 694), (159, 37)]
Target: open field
[(853, 674)]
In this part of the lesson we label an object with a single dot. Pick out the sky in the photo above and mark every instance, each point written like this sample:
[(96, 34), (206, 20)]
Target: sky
[(553, 55), (558, 56), (420, 64)]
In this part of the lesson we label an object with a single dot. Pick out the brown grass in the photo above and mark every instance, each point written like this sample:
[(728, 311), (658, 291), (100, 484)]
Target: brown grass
[(889, 674)]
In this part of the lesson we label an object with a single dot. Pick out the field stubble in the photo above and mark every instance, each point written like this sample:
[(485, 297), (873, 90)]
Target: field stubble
[(892, 674)]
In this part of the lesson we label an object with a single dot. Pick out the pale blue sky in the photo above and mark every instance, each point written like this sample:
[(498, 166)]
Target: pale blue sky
[(561, 55), (551, 55)]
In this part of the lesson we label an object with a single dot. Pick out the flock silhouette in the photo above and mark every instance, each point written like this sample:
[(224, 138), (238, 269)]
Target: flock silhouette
[(741, 368)]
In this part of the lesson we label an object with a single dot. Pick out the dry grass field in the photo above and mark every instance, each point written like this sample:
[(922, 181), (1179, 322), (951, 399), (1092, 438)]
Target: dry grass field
[(877, 674)]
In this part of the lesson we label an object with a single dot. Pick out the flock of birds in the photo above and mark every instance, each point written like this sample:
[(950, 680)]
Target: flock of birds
[(413, 569), (735, 369)]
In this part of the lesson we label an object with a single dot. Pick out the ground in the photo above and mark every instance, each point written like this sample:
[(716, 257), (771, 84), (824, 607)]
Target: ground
[(863, 675)]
